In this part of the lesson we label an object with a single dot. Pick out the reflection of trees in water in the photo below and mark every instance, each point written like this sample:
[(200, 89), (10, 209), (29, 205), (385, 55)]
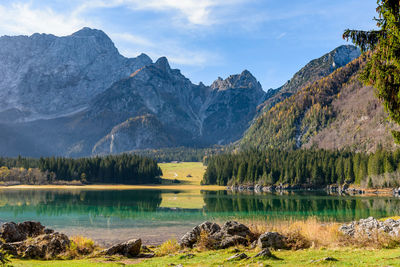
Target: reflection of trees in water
[(122, 203), (300, 205)]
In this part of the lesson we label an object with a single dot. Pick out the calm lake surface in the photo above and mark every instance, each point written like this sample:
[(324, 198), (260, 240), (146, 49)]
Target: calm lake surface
[(111, 216)]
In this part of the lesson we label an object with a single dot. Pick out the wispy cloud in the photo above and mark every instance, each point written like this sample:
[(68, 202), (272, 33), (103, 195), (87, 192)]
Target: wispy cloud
[(26, 19), (22, 18), (175, 51), (194, 12)]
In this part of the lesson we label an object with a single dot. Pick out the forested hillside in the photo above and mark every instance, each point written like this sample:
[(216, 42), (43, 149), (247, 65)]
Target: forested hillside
[(304, 167), (336, 112), (122, 169)]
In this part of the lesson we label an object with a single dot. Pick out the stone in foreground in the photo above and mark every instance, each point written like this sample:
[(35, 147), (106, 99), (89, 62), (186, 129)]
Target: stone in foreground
[(12, 232), (191, 237), (236, 257), (128, 249), (271, 240), (265, 253)]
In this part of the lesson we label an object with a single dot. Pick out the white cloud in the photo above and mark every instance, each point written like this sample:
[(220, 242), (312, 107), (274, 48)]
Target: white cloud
[(194, 12), (22, 18), (132, 45), (26, 19)]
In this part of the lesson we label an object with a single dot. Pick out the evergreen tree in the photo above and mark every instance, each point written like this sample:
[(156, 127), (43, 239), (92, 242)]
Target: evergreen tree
[(383, 68)]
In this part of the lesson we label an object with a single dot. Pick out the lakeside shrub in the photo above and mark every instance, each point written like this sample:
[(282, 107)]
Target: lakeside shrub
[(169, 247), (81, 246)]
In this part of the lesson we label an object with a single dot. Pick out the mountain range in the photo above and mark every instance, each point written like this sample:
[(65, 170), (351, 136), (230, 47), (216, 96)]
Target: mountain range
[(77, 96)]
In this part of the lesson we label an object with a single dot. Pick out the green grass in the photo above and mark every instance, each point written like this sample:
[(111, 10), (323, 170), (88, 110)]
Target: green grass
[(64, 263), (345, 257)]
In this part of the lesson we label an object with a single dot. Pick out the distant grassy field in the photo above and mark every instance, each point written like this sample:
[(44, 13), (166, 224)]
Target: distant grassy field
[(188, 173), (171, 171), (309, 257)]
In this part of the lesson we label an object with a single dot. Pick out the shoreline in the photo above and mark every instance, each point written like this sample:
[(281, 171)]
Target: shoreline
[(118, 187), (349, 190)]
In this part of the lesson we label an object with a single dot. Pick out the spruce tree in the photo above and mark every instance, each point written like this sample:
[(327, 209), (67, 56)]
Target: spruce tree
[(383, 68)]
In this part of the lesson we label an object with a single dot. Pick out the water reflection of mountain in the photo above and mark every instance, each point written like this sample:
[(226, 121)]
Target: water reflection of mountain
[(123, 204), (299, 205)]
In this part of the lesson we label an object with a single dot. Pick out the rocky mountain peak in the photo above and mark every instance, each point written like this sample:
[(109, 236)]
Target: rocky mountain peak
[(243, 80), (86, 32), (162, 64), (45, 76), (344, 54)]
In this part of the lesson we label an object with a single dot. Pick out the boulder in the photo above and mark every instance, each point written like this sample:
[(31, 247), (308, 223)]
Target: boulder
[(271, 240), (31, 229), (40, 247), (10, 249), (230, 241), (54, 244), (128, 249), (191, 237), (265, 253), (236, 257), (370, 225), (233, 228), (12, 232), (34, 252)]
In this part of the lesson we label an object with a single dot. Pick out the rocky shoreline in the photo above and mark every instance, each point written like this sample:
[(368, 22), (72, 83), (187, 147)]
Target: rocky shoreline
[(345, 189), (32, 240)]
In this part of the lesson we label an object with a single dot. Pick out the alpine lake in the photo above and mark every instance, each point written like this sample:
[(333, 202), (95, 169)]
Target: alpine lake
[(157, 214)]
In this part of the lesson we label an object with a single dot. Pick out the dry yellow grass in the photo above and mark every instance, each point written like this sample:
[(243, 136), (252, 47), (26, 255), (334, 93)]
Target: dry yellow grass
[(169, 247), (317, 233)]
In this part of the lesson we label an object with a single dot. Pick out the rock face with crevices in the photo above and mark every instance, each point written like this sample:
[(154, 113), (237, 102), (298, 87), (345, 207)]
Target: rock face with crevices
[(369, 226), (13, 232), (128, 249), (45, 76), (271, 240), (230, 234), (77, 96)]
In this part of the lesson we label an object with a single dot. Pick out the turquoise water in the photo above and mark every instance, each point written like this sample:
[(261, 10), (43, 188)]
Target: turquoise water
[(155, 215)]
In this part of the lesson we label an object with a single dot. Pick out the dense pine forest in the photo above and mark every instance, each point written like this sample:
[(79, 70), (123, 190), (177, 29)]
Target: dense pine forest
[(121, 169), (304, 167), (184, 154)]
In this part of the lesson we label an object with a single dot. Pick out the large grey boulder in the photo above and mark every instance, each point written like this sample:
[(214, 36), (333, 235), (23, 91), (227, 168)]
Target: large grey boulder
[(12, 232), (40, 247), (231, 234), (271, 240), (369, 226), (191, 237), (128, 249), (234, 228)]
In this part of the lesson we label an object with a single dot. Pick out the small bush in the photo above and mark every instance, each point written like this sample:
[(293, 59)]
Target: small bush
[(295, 241), (169, 247), (81, 246)]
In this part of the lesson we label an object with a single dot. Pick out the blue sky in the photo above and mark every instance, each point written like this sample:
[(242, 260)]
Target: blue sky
[(203, 38)]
